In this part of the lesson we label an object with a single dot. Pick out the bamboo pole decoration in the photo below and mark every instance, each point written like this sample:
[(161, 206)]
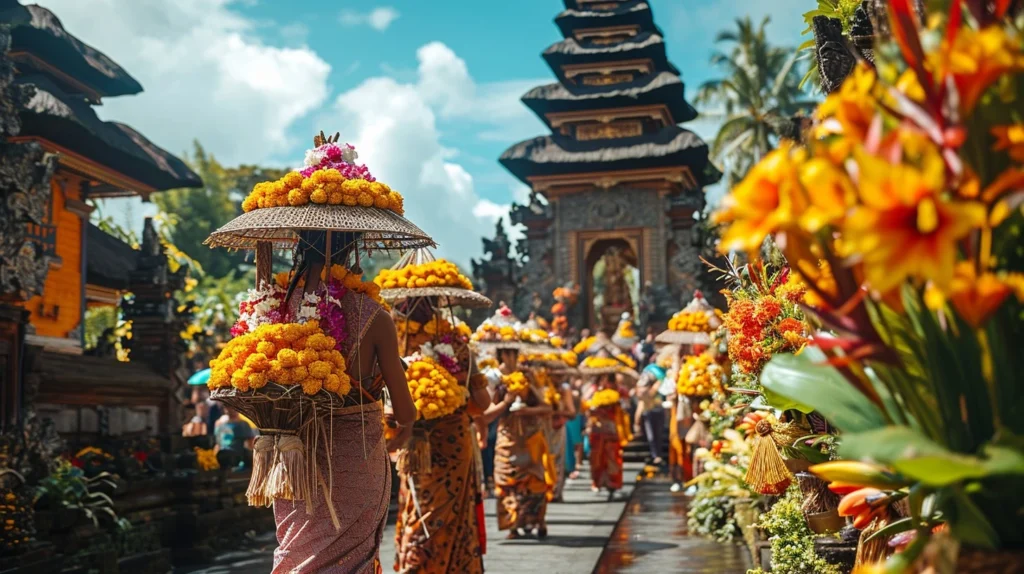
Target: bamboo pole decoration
[(264, 258)]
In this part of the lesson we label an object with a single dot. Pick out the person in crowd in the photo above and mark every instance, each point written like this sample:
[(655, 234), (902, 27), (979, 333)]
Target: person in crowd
[(523, 473), (574, 430), (437, 529), (308, 540), (608, 431), (564, 410), (649, 417)]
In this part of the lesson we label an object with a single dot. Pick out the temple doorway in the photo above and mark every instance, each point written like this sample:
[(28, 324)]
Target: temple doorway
[(612, 279)]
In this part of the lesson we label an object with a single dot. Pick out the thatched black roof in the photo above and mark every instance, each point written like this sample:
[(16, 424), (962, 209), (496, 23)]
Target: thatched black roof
[(37, 31), (635, 12), (664, 88), (558, 155), (71, 122), (646, 45), (108, 260)]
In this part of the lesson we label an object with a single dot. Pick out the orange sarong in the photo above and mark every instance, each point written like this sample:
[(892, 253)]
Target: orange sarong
[(437, 530), (607, 437)]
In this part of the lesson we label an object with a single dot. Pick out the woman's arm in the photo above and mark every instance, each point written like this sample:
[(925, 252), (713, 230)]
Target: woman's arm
[(478, 392), (385, 340), (497, 409), (539, 410), (570, 405)]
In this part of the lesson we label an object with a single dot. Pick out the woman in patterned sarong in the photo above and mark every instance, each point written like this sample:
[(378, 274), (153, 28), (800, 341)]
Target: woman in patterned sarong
[(524, 473), (564, 410), (357, 472), (438, 529), (608, 429)]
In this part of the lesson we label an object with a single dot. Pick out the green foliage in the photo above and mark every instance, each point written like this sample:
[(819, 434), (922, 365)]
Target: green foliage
[(197, 212), (758, 89), (67, 486), (713, 516), (792, 542)]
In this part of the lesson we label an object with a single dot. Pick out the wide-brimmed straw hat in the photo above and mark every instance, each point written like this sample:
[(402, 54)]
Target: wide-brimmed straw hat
[(381, 229), (447, 296), (503, 317)]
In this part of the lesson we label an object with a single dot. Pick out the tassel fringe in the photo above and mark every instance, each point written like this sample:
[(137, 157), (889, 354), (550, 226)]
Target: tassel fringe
[(415, 458), (767, 473), (262, 461), (288, 478)]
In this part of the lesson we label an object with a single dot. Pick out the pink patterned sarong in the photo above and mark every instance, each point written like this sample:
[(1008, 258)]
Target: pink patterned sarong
[(361, 474), (362, 487)]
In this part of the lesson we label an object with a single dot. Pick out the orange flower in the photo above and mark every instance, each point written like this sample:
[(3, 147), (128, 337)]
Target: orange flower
[(850, 110), (976, 297), (768, 199), (831, 193), (904, 227), (1010, 138), (975, 60)]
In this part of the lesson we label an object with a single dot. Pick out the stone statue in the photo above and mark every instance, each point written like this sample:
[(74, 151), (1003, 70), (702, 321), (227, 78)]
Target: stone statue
[(616, 289)]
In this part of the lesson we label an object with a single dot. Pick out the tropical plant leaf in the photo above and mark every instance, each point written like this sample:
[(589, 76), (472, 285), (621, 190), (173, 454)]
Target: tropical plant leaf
[(806, 380), (969, 524), (893, 528)]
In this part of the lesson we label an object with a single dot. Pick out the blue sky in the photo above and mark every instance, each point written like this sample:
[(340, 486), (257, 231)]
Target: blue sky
[(427, 91)]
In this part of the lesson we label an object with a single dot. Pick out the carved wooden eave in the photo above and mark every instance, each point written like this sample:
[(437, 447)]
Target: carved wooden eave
[(67, 80), (665, 180), (641, 67), (657, 112), (111, 182), (584, 34)]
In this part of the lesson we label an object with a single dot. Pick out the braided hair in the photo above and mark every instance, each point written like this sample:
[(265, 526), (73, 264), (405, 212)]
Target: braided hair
[(312, 250)]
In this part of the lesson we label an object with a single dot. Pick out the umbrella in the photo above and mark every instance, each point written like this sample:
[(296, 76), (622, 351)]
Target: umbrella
[(200, 378)]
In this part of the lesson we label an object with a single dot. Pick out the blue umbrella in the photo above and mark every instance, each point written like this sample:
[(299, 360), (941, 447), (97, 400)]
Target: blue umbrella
[(655, 370), (200, 378)]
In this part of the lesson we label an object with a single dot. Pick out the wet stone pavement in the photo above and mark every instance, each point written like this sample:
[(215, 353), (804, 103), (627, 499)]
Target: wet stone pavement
[(652, 536), (585, 535)]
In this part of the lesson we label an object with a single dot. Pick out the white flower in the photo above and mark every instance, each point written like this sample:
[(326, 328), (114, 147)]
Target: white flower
[(444, 349), (348, 154), (314, 157), (428, 351)]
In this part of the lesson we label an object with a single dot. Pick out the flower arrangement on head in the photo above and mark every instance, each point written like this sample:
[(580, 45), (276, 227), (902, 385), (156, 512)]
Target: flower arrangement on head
[(331, 177), (434, 390), (604, 398), (439, 273), (697, 317), (699, 376), (599, 362), (502, 327), (584, 344)]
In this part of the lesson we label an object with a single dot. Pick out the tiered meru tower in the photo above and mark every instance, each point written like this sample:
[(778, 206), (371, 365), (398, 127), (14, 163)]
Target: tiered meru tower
[(618, 181)]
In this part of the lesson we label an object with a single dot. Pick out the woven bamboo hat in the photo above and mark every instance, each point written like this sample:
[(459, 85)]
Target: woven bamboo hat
[(501, 331), (345, 198), (447, 296)]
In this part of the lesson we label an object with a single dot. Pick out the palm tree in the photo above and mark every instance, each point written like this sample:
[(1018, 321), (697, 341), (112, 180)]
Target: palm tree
[(757, 95)]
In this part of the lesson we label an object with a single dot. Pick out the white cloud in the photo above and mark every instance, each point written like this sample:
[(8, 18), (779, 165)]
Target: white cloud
[(393, 124), (206, 75), (379, 18)]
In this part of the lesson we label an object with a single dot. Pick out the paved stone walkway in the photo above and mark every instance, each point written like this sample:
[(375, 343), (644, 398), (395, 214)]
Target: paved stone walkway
[(653, 537), (578, 530)]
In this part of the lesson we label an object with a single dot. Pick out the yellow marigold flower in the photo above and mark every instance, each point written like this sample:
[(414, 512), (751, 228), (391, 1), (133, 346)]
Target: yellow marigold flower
[(312, 386), (307, 357), (288, 358), (320, 369), (604, 398), (318, 196), (904, 227)]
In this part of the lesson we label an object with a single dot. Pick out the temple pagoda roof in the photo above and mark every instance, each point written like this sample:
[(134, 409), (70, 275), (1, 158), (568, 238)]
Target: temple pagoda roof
[(664, 88), (39, 41), (558, 155), (633, 13), (646, 45), (71, 123), (109, 261)]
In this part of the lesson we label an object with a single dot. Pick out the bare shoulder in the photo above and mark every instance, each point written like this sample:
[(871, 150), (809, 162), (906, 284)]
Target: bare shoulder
[(382, 327)]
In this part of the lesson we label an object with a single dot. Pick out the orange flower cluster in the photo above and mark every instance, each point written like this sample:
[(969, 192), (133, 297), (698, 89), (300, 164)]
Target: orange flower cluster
[(440, 273), (583, 345), (604, 398), (762, 325), (323, 187), (434, 390), (286, 354)]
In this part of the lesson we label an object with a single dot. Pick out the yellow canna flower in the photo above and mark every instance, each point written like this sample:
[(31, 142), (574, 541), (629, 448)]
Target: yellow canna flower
[(975, 60), (1011, 139)]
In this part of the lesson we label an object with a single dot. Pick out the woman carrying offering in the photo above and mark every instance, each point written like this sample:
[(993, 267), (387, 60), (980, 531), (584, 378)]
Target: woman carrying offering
[(608, 430), (310, 357), (437, 529)]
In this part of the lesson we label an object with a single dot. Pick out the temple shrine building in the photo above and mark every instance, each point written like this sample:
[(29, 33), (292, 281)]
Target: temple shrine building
[(616, 184)]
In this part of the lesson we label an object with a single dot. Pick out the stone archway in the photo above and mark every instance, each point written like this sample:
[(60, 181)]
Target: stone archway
[(611, 279)]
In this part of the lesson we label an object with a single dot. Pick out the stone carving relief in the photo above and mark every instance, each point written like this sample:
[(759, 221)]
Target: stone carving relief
[(611, 209)]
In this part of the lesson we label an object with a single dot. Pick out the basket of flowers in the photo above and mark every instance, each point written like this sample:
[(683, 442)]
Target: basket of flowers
[(419, 274), (286, 367)]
